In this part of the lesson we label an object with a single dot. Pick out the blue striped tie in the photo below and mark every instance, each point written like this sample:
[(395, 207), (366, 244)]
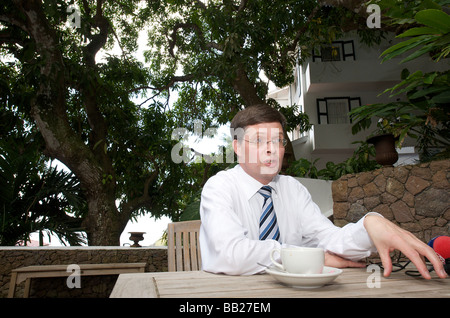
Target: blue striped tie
[(268, 227)]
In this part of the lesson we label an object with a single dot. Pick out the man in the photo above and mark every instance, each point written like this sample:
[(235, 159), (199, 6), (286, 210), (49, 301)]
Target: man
[(249, 210)]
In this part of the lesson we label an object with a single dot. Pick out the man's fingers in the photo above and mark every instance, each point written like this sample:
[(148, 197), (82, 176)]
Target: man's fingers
[(416, 254), (419, 263), (414, 249), (388, 237), (431, 255), (386, 261)]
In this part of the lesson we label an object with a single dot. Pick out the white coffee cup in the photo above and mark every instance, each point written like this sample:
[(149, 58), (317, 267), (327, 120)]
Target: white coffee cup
[(300, 260)]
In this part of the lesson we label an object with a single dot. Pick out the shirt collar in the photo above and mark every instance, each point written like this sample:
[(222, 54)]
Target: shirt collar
[(250, 185)]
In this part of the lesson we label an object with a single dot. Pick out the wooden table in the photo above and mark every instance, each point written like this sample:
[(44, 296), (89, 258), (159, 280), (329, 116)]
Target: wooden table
[(21, 274), (351, 283)]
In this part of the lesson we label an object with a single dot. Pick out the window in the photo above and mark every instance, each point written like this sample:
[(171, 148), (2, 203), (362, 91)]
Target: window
[(334, 110), (330, 53), (337, 51)]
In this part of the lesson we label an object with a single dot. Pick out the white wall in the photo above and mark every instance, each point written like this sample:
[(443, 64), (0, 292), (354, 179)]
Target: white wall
[(320, 191)]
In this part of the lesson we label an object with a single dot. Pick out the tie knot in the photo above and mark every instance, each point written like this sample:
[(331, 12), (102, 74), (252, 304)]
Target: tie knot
[(265, 191)]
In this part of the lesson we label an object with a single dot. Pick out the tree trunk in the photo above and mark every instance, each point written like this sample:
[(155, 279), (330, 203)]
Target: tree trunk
[(245, 88), (104, 223)]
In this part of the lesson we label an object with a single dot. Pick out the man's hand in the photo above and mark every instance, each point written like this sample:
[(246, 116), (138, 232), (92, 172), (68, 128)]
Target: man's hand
[(388, 237)]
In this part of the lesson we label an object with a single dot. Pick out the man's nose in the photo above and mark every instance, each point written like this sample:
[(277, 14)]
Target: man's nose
[(271, 147)]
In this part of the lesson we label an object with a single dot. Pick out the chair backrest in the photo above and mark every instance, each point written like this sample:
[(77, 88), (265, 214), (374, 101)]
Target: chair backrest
[(183, 246)]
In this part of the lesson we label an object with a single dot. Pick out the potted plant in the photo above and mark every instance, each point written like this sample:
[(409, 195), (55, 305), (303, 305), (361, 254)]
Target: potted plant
[(384, 141)]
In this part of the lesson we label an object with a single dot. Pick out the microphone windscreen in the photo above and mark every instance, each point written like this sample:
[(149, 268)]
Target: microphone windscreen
[(441, 245)]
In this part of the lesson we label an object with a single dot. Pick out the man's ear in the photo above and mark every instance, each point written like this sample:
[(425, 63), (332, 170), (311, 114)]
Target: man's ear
[(237, 148)]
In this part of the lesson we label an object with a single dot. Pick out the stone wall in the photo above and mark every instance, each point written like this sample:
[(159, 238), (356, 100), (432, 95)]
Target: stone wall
[(91, 286), (416, 197)]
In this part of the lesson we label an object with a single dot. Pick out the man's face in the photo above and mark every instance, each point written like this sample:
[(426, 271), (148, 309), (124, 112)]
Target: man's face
[(260, 151)]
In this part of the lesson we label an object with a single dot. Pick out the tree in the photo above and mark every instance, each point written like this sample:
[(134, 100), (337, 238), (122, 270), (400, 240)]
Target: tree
[(83, 107)]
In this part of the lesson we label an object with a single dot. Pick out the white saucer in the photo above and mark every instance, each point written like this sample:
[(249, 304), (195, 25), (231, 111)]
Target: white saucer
[(305, 280)]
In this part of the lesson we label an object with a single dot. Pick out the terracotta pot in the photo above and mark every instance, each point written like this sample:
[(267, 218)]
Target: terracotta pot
[(386, 155)]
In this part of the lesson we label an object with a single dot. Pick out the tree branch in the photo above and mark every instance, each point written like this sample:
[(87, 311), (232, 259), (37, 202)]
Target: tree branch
[(299, 33), (245, 88), (97, 40), (95, 118), (204, 45), (352, 5), (136, 203), (200, 4), (242, 5)]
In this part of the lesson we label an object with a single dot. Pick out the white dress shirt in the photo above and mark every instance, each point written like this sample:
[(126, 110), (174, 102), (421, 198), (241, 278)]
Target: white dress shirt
[(230, 210)]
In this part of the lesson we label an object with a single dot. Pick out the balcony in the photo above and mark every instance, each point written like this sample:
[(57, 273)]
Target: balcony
[(352, 66)]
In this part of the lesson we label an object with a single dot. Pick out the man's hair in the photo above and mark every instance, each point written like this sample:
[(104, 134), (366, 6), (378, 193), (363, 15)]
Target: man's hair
[(253, 115)]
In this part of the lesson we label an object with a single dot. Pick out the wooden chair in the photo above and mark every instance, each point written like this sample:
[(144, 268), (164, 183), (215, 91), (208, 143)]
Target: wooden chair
[(183, 246)]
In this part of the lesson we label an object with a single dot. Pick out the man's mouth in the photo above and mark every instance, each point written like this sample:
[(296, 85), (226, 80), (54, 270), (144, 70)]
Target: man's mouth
[(270, 163)]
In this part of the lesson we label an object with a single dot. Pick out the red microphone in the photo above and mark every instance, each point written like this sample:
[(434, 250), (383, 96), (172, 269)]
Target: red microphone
[(441, 245)]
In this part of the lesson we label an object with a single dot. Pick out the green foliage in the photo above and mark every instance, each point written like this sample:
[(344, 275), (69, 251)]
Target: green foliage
[(424, 115), (201, 171), (303, 168), (34, 197), (360, 161), (433, 37), (217, 46), (294, 118)]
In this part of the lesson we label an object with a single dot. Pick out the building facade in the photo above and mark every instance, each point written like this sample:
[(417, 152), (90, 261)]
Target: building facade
[(336, 79)]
